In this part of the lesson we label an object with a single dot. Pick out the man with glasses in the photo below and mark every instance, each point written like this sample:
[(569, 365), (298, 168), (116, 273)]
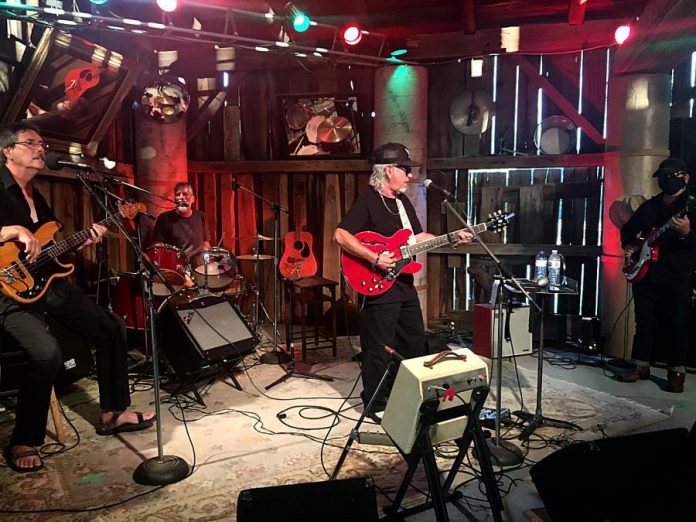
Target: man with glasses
[(663, 296), (393, 318), (22, 211)]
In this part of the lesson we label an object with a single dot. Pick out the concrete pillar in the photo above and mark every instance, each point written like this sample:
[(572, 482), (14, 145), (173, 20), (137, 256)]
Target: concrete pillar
[(638, 125), (160, 162), (401, 116)]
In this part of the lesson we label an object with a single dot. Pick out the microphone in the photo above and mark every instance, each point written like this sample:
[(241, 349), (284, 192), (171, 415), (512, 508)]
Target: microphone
[(396, 355), (235, 184), (180, 203), (428, 183), (53, 162)]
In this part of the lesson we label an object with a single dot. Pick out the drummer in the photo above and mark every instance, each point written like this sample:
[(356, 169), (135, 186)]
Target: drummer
[(184, 227)]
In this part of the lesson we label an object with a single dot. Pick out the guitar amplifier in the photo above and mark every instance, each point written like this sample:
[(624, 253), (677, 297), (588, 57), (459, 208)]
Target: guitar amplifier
[(486, 332), (416, 383)]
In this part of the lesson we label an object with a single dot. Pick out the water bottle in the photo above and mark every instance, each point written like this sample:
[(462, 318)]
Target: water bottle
[(540, 265), (554, 271)]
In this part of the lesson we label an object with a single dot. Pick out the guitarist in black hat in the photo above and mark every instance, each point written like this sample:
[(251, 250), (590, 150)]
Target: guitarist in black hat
[(22, 211), (666, 289)]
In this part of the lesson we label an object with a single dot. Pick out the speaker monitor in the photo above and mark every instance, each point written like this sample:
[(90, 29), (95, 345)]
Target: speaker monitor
[(635, 477), (486, 332), (199, 332), (347, 500)]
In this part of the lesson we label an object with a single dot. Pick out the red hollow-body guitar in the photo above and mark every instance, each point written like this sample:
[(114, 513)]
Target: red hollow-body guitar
[(638, 264), (298, 258), (365, 280)]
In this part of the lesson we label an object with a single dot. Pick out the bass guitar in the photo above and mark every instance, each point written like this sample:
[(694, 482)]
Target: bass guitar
[(298, 258), (366, 280), (26, 282), (638, 264)]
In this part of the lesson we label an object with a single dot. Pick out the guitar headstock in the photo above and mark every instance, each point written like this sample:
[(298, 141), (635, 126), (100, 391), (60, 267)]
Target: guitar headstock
[(498, 220), (130, 210)]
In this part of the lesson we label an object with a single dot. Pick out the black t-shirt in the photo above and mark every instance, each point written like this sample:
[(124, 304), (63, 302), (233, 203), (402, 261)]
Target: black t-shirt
[(14, 209), (677, 256), (372, 212), (186, 233)]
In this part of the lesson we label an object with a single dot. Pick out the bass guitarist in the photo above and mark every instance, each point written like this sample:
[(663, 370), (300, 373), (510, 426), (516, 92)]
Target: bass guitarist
[(663, 295), (22, 211), (393, 318)]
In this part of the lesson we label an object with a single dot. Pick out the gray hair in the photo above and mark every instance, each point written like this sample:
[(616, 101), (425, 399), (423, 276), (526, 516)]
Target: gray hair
[(378, 178), (9, 135)]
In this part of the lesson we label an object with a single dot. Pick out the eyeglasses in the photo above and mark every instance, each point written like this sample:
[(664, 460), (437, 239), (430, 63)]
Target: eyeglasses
[(407, 170), (32, 144)]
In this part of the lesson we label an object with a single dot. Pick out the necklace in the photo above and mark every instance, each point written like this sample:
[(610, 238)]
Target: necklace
[(385, 206)]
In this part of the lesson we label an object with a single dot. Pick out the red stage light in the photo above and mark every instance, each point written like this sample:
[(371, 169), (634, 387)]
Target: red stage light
[(352, 34), (622, 33)]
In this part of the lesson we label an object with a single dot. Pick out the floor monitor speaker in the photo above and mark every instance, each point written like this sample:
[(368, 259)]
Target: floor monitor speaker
[(635, 477), (347, 500), (198, 331)]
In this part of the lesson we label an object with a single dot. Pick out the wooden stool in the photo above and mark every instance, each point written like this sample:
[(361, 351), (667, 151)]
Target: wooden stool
[(305, 292)]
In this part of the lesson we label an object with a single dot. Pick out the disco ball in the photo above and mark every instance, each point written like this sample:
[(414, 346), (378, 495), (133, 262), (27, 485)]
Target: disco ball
[(166, 100)]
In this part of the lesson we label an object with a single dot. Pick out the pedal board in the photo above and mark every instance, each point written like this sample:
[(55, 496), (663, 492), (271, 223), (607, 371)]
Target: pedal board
[(487, 417)]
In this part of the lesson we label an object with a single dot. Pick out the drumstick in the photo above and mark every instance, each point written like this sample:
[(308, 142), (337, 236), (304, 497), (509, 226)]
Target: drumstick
[(220, 242)]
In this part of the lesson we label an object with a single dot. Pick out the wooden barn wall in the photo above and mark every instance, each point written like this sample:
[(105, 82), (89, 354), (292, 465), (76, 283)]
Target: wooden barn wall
[(535, 195), (236, 217)]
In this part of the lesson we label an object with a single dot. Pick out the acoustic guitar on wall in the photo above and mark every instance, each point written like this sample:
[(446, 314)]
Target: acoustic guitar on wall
[(298, 258)]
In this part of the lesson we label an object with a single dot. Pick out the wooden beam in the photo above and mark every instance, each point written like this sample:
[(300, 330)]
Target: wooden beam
[(661, 39), (283, 166), (466, 7), (576, 11), (211, 105), (556, 97), (520, 162)]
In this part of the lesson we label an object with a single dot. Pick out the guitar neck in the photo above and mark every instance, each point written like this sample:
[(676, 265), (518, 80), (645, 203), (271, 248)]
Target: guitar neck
[(75, 240), (442, 240)]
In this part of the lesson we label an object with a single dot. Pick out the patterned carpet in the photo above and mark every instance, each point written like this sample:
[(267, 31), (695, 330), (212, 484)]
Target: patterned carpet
[(240, 442)]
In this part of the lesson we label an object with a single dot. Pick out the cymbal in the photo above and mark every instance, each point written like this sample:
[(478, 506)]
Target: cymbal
[(334, 129), (257, 237), (254, 257)]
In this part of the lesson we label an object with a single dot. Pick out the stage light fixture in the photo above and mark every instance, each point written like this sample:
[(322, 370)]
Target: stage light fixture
[(98, 2), (622, 33), (352, 34), (168, 6), (300, 21)]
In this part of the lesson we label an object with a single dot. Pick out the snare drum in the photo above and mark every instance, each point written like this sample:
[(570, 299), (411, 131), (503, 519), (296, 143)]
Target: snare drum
[(220, 266), (172, 263)]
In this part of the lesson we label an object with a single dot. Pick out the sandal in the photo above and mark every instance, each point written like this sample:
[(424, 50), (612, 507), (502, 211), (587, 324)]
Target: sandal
[(110, 427), (11, 457)]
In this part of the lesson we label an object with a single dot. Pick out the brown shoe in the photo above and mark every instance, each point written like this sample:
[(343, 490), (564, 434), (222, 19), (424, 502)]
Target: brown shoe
[(634, 373), (675, 382)]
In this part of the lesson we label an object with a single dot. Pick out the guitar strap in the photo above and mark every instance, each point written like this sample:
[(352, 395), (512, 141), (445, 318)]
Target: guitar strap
[(405, 222)]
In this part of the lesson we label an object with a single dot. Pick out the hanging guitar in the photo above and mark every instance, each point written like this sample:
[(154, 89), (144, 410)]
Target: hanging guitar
[(298, 258), (79, 80), (638, 264), (26, 282), (365, 280)]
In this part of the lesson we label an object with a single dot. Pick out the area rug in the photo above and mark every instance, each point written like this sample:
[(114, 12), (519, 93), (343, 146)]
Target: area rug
[(254, 438)]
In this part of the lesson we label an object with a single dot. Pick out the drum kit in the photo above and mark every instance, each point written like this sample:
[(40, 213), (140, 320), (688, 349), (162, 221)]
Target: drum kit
[(211, 271)]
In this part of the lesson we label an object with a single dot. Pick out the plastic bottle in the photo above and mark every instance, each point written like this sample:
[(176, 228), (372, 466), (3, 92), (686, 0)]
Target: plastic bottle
[(554, 271), (540, 265)]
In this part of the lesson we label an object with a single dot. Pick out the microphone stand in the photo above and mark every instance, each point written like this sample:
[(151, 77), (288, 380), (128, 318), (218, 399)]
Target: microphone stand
[(275, 356), (163, 469), (503, 452)]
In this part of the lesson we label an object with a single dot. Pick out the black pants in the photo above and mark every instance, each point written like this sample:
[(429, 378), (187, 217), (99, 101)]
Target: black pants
[(667, 304), (398, 325), (68, 305)]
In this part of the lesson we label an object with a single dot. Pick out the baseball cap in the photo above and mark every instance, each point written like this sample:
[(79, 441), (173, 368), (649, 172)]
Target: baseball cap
[(393, 154), (669, 167)]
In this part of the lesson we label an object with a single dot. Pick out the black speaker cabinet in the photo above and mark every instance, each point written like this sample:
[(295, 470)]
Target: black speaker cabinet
[(347, 500), (200, 331), (635, 477)]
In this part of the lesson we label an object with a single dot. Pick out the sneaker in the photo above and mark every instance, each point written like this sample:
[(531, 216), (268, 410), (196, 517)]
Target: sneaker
[(376, 416)]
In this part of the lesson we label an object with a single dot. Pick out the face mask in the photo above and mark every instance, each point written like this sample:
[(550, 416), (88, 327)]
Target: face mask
[(670, 185)]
